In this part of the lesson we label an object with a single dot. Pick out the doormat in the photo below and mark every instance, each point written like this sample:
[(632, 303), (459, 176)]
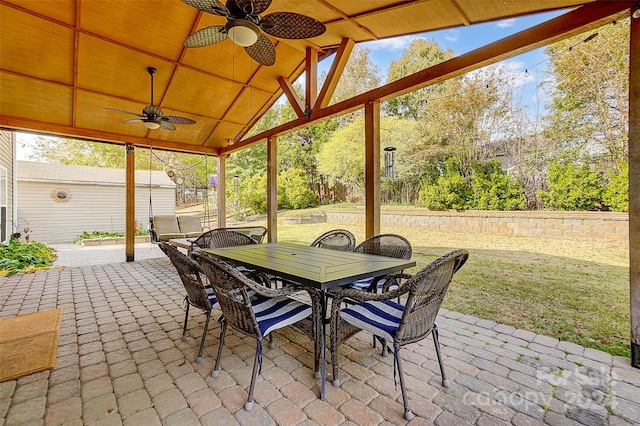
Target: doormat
[(29, 343)]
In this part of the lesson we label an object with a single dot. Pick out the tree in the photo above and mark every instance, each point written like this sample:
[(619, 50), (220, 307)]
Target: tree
[(468, 117), (420, 54), (342, 158), (572, 187), (588, 114), (83, 153), (359, 76)]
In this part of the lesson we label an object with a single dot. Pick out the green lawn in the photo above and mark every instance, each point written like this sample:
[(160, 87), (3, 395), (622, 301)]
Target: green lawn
[(574, 290)]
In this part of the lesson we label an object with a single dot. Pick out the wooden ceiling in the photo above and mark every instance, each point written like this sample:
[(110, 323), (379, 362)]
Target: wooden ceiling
[(62, 62)]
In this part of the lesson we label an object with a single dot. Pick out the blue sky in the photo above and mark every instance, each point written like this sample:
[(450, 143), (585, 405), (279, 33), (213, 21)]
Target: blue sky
[(465, 39)]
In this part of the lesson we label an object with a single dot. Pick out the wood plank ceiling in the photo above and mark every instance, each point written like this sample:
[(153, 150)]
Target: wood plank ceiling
[(62, 62)]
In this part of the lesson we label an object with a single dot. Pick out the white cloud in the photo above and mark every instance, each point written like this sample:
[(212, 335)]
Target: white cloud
[(506, 23), (452, 35), (391, 44)]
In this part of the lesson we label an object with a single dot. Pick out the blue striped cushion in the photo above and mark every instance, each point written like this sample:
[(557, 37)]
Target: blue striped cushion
[(364, 284), (379, 318), (212, 297), (273, 313)]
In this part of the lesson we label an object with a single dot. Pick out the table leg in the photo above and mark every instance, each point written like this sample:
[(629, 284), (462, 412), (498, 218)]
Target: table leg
[(323, 344)]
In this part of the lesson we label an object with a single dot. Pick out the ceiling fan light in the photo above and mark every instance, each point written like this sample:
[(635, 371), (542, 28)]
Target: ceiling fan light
[(243, 32), (151, 125)]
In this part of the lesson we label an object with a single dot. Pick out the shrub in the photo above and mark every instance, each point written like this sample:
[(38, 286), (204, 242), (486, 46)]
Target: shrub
[(17, 256), (572, 187), (294, 191), (493, 189), (616, 194), (450, 190)]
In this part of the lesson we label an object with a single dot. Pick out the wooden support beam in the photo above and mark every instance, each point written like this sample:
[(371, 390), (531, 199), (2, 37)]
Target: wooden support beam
[(272, 189), (335, 72), (311, 74), (130, 202), (587, 17), (222, 191), (292, 96), (90, 135), (372, 167), (634, 189)]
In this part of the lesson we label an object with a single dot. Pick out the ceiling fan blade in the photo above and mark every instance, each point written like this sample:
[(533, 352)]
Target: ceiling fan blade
[(253, 7), (166, 125), (124, 112), (177, 120), (210, 6), (206, 36), (133, 120), (291, 25), (262, 51)]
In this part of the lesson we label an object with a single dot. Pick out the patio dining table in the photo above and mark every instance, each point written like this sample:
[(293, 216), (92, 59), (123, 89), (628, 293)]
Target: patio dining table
[(311, 267)]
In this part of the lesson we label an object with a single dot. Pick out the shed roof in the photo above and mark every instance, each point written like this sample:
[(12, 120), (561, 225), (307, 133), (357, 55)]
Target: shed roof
[(85, 175)]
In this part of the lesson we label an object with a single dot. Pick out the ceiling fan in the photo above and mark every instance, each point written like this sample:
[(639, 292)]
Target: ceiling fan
[(244, 24), (152, 116)]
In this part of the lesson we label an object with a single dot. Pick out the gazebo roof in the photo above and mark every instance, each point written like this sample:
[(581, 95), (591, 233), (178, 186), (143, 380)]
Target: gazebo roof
[(64, 61)]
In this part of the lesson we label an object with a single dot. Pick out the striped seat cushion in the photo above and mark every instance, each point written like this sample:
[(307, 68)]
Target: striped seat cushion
[(364, 284), (273, 313), (212, 297), (379, 318)]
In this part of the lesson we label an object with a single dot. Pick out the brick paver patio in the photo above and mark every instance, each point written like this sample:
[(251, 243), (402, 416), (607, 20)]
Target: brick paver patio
[(121, 361)]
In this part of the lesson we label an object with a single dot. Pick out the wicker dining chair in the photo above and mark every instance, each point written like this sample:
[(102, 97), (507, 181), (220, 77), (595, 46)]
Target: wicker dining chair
[(257, 311), (336, 239), (400, 324), (390, 245), (221, 237), (198, 294)]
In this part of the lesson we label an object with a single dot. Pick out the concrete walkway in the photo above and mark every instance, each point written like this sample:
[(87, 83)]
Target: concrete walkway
[(121, 361), (76, 255)]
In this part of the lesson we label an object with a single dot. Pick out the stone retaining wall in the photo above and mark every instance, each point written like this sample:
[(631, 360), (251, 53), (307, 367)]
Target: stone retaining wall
[(590, 225)]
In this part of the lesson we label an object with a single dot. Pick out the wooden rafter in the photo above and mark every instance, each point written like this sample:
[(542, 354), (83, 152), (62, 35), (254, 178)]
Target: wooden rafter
[(292, 96), (337, 68)]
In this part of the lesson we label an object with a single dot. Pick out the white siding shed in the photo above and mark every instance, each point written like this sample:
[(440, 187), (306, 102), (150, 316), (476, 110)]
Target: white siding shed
[(60, 201), (7, 154)]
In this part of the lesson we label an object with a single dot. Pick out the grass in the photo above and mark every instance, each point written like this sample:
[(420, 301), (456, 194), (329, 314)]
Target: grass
[(574, 290)]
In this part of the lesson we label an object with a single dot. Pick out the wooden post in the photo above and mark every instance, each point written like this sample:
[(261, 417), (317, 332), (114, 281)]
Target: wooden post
[(222, 192), (130, 202), (634, 188), (372, 167), (311, 71), (272, 189)]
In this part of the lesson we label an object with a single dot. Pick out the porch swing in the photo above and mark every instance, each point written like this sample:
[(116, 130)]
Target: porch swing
[(166, 227)]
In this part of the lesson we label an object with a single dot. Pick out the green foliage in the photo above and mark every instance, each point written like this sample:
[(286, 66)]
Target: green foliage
[(493, 189), (616, 194), (94, 235), (419, 55), (572, 187), (451, 190), (253, 193), (21, 257), (294, 191)]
